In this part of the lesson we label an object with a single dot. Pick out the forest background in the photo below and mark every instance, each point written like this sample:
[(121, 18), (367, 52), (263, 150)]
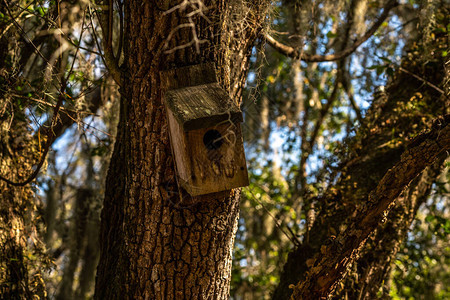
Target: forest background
[(333, 92)]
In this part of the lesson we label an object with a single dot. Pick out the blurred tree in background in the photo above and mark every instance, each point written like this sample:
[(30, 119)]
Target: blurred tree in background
[(52, 87), (336, 92)]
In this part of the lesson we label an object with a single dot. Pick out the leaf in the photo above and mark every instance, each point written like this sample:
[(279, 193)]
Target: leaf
[(429, 218), (331, 35), (390, 71), (380, 70), (447, 226)]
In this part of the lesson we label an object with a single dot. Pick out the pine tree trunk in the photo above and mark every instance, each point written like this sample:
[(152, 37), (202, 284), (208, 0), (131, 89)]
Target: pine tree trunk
[(157, 242)]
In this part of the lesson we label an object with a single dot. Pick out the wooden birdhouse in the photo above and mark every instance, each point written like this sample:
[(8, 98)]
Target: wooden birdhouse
[(205, 131)]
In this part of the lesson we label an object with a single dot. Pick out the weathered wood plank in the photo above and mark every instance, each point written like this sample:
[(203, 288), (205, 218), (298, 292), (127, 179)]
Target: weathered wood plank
[(202, 106)]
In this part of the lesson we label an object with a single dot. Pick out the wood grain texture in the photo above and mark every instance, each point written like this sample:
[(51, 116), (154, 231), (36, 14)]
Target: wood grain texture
[(203, 171), (202, 106), (215, 170)]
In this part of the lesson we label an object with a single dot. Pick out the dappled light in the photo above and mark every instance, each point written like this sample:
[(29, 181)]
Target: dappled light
[(203, 149)]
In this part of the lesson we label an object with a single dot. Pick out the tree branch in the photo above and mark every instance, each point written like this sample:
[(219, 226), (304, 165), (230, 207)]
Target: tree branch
[(106, 21), (347, 85), (298, 54), (421, 79), (50, 139), (376, 262), (329, 266)]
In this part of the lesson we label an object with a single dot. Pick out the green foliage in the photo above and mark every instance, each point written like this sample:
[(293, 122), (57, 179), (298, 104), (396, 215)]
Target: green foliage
[(422, 267), (261, 246)]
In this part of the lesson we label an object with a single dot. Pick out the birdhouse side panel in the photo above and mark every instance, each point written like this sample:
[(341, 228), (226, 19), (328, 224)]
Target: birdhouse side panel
[(217, 159), (179, 146)]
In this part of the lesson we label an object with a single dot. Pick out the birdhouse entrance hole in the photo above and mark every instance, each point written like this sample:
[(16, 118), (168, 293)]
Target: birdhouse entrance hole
[(213, 139)]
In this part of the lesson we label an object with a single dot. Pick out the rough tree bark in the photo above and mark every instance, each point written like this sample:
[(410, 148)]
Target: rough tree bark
[(329, 266), (349, 210), (371, 270), (156, 241)]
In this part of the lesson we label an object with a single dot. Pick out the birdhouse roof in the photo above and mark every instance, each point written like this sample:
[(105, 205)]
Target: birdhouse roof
[(202, 106)]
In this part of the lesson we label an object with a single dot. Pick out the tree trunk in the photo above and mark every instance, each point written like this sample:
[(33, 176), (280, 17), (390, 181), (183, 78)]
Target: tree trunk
[(21, 252), (157, 242), (22, 258), (374, 265)]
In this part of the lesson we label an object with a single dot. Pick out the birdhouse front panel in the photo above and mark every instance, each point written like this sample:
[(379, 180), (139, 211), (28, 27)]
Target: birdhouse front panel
[(205, 133), (217, 161)]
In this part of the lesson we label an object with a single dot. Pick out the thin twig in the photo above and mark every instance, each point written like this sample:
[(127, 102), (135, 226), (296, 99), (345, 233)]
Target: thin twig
[(23, 10), (78, 48), (422, 79), (27, 39), (292, 238), (198, 9), (50, 140), (40, 101)]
